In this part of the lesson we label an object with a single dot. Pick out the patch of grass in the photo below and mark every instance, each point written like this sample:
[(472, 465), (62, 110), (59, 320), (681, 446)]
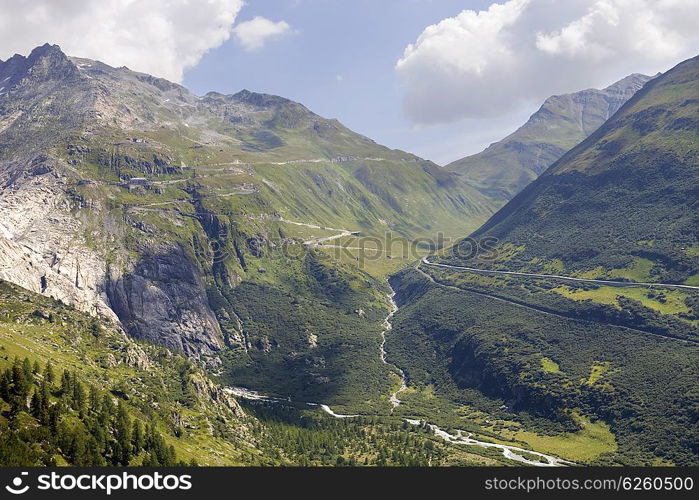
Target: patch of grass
[(556, 266), (638, 271), (692, 280), (665, 302), (549, 365), (596, 273), (597, 371), (586, 445), (693, 251)]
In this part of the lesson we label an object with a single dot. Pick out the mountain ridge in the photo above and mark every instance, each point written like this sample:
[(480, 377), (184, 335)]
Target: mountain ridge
[(643, 155), (621, 206), (507, 166)]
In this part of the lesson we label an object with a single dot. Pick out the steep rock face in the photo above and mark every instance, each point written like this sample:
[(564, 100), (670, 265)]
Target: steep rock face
[(163, 300), (41, 247), (506, 167)]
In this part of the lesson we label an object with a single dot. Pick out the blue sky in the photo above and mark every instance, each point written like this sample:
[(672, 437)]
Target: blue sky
[(359, 42)]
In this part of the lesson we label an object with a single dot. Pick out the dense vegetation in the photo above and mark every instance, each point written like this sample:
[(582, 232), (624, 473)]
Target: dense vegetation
[(639, 308), (307, 438), (315, 339), (543, 367), (620, 206), (69, 422), (74, 390)]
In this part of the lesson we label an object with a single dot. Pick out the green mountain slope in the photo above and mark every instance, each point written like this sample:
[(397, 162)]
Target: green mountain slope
[(183, 218), (506, 167), (623, 202), (105, 371), (620, 206), (522, 369), (75, 390)]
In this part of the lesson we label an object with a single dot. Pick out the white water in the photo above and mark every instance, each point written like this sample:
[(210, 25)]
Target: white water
[(387, 327), (242, 392), (512, 452)]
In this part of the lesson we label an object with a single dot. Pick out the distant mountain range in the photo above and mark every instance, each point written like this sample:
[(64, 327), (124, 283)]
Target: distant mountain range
[(506, 167)]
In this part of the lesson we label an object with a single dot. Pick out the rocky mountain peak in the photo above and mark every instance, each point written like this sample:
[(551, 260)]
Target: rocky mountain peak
[(47, 51), (260, 100), (47, 62), (632, 82)]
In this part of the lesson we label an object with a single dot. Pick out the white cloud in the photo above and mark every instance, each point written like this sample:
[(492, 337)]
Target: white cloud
[(161, 37), (253, 34), (486, 63)]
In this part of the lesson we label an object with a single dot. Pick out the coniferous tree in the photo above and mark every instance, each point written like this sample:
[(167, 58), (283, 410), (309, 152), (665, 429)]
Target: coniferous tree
[(5, 384), (49, 376), (79, 398), (35, 404), (122, 434), (78, 422), (66, 384), (94, 399), (27, 370), (138, 436), (20, 389)]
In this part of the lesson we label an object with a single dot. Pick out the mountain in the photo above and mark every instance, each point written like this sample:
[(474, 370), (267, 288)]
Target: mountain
[(181, 238), (175, 215), (527, 362), (624, 199), (506, 167), (542, 351)]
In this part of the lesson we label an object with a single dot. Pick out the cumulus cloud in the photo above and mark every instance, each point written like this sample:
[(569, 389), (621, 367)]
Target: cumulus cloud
[(488, 62), (161, 37), (253, 34)]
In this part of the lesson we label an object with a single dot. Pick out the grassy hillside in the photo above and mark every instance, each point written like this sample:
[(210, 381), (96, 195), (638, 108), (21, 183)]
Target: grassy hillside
[(76, 391), (620, 206), (153, 387)]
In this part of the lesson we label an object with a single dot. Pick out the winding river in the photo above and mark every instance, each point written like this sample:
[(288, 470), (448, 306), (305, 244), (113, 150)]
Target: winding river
[(460, 438), (387, 327)]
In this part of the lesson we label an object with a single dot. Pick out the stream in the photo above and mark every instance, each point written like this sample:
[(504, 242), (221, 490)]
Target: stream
[(387, 327), (460, 438)]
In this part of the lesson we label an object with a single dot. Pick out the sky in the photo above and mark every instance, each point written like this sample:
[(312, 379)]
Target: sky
[(439, 78)]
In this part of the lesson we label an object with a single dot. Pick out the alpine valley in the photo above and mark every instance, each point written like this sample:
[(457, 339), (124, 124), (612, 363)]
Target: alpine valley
[(235, 280)]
